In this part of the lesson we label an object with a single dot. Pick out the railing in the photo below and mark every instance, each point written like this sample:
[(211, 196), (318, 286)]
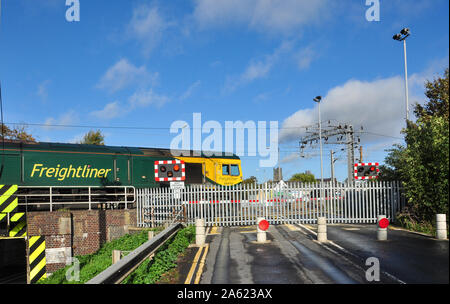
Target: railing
[(292, 203), (82, 196)]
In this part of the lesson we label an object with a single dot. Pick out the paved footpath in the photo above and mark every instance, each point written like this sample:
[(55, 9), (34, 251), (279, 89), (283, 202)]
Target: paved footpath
[(293, 256)]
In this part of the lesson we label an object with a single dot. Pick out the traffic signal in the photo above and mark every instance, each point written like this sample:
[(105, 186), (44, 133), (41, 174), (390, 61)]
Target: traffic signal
[(170, 170), (366, 171)]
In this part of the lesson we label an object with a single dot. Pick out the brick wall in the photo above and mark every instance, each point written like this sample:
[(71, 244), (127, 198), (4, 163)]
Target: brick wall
[(80, 232)]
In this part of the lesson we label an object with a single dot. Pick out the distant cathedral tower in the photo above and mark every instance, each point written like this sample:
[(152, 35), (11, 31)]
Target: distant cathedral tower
[(277, 174)]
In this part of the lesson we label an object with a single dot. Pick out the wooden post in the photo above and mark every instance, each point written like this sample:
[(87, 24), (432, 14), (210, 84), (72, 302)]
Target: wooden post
[(360, 154)]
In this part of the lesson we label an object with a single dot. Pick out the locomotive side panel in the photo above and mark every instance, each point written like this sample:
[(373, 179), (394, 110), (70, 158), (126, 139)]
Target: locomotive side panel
[(69, 169)]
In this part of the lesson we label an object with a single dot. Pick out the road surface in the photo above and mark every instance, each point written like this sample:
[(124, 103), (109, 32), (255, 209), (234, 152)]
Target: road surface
[(293, 256)]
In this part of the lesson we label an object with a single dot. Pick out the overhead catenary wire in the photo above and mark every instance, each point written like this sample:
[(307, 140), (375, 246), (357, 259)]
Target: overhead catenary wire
[(159, 128)]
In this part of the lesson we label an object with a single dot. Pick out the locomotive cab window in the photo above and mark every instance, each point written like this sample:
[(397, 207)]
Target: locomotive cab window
[(225, 170), (232, 170), (235, 170)]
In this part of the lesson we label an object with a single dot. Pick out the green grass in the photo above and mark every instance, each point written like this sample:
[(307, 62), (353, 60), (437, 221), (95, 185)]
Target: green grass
[(92, 264), (150, 271), (423, 227)]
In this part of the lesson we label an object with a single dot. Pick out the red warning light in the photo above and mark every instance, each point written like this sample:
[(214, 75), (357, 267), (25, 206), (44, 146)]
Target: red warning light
[(383, 223), (176, 168), (264, 225)]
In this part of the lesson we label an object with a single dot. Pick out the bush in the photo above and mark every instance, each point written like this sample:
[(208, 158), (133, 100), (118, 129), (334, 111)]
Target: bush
[(150, 271), (92, 264)]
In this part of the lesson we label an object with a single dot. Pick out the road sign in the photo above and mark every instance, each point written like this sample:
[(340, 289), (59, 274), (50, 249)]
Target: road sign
[(177, 187), (170, 170), (366, 171)]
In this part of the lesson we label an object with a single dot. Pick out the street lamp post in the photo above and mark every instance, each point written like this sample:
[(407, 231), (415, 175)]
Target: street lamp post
[(404, 33), (318, 100)]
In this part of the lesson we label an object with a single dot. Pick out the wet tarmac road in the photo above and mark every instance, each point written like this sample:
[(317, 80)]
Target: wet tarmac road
[(292, 256), (412, 258)]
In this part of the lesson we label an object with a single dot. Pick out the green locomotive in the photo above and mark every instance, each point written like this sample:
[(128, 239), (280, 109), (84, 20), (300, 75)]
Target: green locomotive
[(76, 165)]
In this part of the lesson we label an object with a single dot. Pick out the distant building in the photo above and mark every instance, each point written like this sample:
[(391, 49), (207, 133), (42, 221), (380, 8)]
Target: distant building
[(277, 174), (326, 180)]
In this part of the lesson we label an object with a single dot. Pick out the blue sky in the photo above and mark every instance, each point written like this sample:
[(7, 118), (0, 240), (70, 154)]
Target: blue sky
[(146, 64)]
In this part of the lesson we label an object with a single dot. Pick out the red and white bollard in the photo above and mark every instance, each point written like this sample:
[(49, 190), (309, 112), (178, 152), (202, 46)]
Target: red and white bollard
[(262, 227), (382, 224)]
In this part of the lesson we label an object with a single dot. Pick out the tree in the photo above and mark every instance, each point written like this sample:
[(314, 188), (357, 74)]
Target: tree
[(303, 177), (251, 180), (19, 132), (425, 171), (93, 138), (394, 161), (423, 164), (437, 93)]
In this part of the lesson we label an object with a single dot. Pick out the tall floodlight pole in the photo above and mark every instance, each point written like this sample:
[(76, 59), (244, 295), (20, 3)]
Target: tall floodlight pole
[(404, 33), (332, 166), (318, 100)]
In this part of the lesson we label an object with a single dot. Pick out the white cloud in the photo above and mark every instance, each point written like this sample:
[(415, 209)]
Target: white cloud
[(146, 98), (305, 57), (140, 99), (290, 158), (147, 26), (190, 90), (257, 69), (123, 73), (42, 90), (261, 97), (110, 111), (267, 16), (378, 106), (68, 118)]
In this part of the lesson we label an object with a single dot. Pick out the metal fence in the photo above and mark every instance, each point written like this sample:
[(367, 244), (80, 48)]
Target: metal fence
[(290, 203), (53, 197)]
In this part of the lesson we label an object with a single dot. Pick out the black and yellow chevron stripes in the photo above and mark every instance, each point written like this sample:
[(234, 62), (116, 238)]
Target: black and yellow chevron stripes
[(8, 199), (18, 225), (37, 258), (3, 217)]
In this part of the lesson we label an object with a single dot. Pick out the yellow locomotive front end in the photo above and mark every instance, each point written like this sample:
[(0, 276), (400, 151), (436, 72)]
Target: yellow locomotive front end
[(221, 171)]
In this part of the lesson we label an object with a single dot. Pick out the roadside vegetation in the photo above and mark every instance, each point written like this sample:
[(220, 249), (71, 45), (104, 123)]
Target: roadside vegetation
[(92, 264), (151, 271), (422, 165)]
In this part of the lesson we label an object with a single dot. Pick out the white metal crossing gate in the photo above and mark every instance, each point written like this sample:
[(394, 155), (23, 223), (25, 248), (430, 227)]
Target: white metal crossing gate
[(285, 203)]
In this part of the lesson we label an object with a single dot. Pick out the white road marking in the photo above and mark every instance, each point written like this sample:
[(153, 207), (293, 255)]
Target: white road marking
[(347, 252)]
